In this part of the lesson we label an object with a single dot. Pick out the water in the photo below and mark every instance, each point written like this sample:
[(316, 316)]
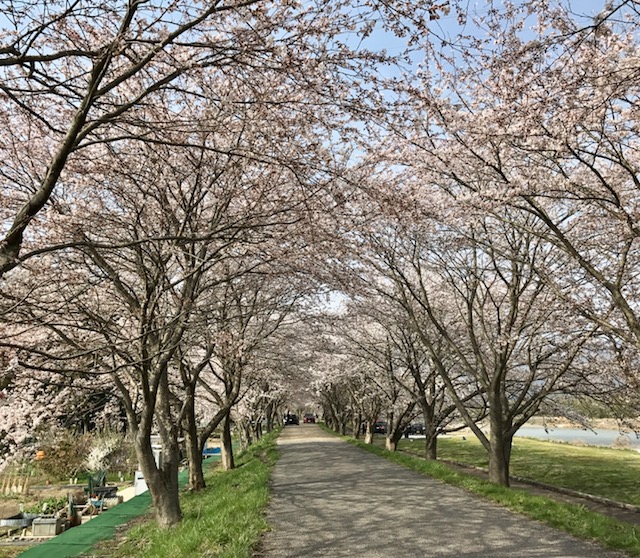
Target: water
[(598, 437)]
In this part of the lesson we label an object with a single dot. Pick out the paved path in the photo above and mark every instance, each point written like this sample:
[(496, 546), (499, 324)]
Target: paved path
[(331, 499)]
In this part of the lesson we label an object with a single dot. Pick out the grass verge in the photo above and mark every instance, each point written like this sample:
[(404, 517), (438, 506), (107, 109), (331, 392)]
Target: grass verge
[(610, 473), (224, 520), (572, 518)]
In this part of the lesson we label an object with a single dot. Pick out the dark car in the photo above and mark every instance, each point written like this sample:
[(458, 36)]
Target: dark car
[(291, 419), (413, 429), (309, 418), (380, 427)]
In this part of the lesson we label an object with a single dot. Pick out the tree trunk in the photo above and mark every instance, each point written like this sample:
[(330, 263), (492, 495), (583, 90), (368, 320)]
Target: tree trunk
[(272, 418), (500, 445), (368, 436), (431, 443), (499, 459), (390, 444), (248, 434), (228, 462), (392, 439), (162, 482), (269, 416), (430, 431), (194, 451), (357, 421)]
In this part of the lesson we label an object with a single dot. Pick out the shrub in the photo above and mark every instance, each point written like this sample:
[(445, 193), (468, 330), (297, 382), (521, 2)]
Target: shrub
[(65, 454)]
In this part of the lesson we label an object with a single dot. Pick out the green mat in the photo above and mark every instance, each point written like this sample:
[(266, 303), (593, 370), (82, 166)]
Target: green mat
[(79, 540)]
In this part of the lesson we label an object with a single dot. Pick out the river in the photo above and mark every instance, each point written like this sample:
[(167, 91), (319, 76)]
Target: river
[(597, 437)]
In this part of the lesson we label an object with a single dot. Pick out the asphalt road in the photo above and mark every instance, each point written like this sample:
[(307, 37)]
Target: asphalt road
[(331, 499)]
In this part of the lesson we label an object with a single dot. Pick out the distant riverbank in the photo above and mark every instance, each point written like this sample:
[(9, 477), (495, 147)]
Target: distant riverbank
[(581, 436), (601, 432), (604, 423)]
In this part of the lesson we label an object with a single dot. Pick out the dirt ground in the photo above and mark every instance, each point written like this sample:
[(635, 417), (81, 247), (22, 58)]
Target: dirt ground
[(10, 505)]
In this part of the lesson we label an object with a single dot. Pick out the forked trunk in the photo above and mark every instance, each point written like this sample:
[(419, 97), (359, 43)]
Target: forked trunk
[(431, 444), (162, 481)]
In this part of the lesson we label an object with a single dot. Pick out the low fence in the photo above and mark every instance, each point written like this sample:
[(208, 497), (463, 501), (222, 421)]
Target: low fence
[(15, 481)]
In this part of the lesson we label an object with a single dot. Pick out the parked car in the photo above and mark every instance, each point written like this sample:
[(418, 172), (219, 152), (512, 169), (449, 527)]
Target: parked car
[(309, 418), (415, 428), (291, 419), (380, 427)]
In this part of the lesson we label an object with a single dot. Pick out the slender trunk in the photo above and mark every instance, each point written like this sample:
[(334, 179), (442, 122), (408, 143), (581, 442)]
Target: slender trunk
[(273, 419), (194, 452), (368, 436), (335, 422), (390, 444), (431, 446), (357, 421), (500, 444), (343, 427), (227, 448), (430, 431), (194, 457), (268, 415), (248, 435), (330, 418)]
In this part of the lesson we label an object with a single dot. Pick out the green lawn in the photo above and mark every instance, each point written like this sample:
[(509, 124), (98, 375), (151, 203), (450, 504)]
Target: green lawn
[(610, 473)]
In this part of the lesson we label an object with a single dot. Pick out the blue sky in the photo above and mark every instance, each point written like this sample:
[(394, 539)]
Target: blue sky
[(449, 25)]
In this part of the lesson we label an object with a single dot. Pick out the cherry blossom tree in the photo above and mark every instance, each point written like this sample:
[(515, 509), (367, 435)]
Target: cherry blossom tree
[(229, 195), (520, 144), (248, 309), (84, 74), (129, 299), (473, 290), (546, 125)]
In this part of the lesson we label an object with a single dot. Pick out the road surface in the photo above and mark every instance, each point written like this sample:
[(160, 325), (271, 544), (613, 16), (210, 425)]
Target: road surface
[(331, 499)]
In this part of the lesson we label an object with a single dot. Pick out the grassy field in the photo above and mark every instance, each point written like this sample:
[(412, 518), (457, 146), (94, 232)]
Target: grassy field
[(610, 473), (225, 520)]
